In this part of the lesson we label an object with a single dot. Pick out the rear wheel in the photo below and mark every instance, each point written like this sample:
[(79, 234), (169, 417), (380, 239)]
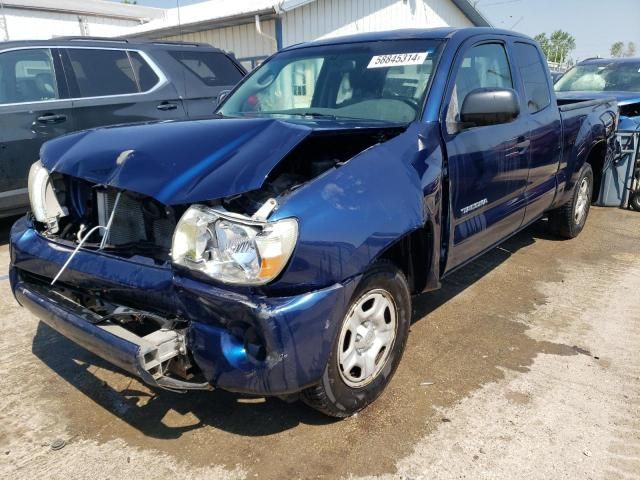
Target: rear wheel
[(634, 201), (369, 345), (568, 220)]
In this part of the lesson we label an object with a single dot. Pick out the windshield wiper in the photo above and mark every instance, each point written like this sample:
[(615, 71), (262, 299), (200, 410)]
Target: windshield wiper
[(318, 115)]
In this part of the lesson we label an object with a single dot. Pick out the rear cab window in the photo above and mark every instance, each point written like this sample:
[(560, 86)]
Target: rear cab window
[(534, 76), (27, 75), (214, 69)]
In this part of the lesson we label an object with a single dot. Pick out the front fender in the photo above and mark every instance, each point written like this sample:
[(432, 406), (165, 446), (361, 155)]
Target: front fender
[(351, 214)]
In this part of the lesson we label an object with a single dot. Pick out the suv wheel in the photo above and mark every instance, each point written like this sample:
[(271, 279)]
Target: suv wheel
[(369, 345)]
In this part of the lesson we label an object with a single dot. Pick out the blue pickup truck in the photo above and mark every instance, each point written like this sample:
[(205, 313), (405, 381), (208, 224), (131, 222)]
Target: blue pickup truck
[(275, 248)]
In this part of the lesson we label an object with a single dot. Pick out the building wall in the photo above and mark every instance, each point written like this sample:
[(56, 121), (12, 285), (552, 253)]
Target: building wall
[(243, 40), (326, 18), (42, 25), (329, 18)]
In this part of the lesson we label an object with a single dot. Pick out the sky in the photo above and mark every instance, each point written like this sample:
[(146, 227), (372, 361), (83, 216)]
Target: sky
[(595, 24)]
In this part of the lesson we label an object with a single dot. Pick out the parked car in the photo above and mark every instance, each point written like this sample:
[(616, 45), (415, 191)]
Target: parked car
[(620, 78), (49, 88), (605, 78), (275, 250)]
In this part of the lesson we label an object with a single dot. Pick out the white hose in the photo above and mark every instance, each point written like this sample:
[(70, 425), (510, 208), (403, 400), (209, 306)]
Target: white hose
[(86, 237)]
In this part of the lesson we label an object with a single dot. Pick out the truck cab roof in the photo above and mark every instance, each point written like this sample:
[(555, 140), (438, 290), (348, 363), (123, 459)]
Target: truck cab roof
[(461, 34)]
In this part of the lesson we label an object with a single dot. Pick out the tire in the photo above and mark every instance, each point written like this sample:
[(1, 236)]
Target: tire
[(568, 220), (382, 290), (634, 201)]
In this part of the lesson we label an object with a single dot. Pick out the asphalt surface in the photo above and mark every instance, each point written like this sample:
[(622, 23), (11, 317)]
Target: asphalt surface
[(525, 365)]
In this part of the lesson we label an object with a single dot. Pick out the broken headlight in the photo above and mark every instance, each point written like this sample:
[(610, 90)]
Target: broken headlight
[(233, 249), (44, 201)]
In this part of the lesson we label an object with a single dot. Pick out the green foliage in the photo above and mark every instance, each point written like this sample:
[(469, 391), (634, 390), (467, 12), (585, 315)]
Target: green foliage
[(557, 46), (618, 50)]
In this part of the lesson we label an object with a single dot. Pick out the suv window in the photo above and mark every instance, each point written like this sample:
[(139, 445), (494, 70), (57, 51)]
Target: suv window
[(533, 75), (482, 66), (27, 76), (100, 73), (212, 68)]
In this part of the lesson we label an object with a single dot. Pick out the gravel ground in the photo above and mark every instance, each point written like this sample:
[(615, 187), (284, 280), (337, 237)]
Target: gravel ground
[(524, 365)]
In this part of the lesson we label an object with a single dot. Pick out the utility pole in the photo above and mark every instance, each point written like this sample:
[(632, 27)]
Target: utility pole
[(3, 22)]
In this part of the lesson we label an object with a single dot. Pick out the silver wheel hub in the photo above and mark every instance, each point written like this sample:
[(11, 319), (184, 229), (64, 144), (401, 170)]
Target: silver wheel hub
[(367, 337), (582, 202)]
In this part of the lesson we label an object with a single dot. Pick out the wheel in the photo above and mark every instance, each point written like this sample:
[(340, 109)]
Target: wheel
[(568, 220), (634, 201), (369, 344)]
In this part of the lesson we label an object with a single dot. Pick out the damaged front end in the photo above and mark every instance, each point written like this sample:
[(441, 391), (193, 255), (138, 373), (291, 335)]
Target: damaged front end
[(174, 293)]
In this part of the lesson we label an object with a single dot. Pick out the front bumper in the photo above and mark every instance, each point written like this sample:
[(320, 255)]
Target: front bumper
[(298, 331)]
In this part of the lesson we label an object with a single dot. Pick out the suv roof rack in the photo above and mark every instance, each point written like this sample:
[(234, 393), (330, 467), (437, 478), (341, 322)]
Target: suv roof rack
[(92, 39), (180, 44)]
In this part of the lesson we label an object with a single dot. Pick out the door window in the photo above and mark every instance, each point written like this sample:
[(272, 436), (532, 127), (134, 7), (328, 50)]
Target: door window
[(534, 76), (482, 66), (100, 73), (27, 76)]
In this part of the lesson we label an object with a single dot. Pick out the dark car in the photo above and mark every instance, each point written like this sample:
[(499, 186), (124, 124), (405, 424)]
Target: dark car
[(275, 250), (49, 88)]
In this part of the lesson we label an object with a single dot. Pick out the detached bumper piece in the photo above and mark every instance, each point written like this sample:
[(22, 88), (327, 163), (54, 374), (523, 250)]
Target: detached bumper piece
[(146, 356)]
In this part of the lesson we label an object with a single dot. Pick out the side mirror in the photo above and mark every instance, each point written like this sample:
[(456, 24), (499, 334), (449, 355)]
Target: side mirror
[(489, 106), (222, 95)]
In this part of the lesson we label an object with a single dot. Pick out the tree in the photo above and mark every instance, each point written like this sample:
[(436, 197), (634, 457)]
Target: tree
[(616, 49), (557, 46), (130, 2)]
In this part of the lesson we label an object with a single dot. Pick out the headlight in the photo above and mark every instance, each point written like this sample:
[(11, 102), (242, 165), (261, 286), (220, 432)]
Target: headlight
[(44, 202), (232, 249)]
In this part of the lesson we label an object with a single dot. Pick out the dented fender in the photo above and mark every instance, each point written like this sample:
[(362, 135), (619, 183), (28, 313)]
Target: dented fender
[(351, 214)]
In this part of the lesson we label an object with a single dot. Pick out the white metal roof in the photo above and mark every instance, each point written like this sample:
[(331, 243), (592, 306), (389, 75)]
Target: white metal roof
[(211, 12), (90, 7)]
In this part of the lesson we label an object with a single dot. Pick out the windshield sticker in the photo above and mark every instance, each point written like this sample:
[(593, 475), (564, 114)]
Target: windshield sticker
[(398, 59)]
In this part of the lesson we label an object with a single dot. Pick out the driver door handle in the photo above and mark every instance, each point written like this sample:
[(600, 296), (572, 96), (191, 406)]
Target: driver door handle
[(523, 144), (51, 118), (166, 106)]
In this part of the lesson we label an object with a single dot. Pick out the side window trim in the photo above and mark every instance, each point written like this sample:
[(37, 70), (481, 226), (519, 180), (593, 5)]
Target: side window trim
[(135, 74), (51, 51), (71, 84), (457, 63)]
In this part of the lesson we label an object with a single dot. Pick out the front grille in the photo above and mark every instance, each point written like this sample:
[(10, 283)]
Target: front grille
[(138, 220)]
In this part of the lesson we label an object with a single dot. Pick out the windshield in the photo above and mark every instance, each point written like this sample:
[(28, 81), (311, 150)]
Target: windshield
[(373, 81), (612, 77)]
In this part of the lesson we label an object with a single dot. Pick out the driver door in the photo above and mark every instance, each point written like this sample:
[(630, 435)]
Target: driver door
[(488, 165)]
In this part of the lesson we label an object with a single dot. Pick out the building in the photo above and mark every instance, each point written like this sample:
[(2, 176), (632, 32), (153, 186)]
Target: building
[(44, 19), (254, 29), (251, 29)]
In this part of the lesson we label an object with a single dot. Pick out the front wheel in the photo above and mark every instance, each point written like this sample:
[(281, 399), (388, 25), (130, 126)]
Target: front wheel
[(568, 220), (369, 345)]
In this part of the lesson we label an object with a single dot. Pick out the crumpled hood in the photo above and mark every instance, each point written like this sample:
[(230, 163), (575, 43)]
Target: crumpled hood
[(177, 162)]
